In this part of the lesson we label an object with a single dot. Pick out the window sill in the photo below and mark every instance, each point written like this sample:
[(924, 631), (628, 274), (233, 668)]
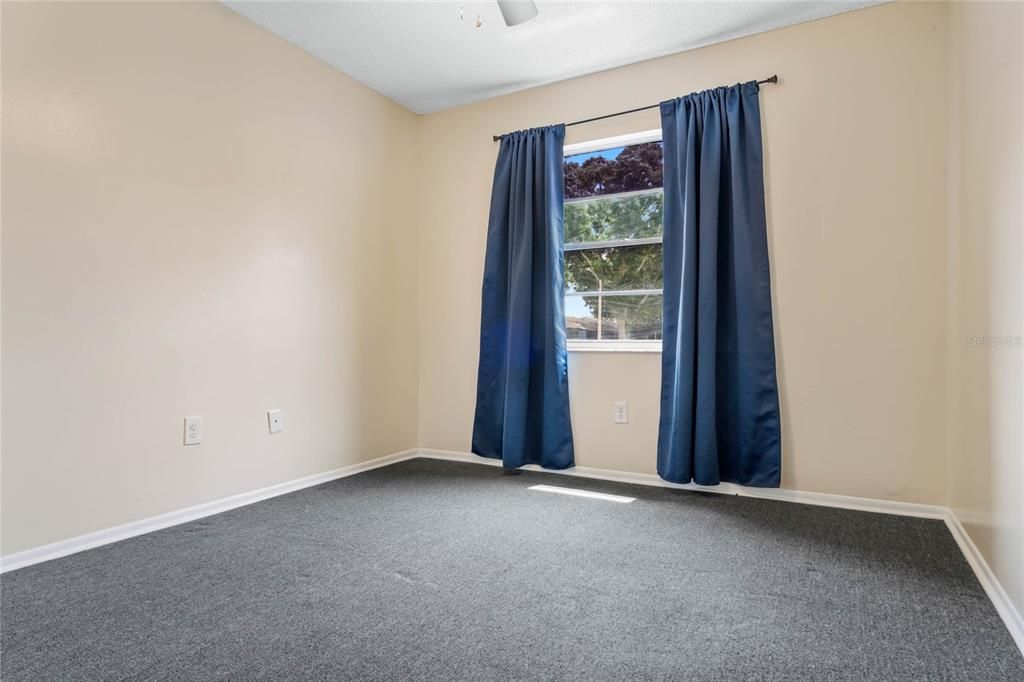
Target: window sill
[(613, 346)]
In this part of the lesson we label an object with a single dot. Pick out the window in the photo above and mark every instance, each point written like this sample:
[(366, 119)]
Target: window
[(613, 253)]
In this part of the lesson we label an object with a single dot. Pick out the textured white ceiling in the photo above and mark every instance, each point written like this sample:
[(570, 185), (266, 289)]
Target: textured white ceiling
[(422, 55)]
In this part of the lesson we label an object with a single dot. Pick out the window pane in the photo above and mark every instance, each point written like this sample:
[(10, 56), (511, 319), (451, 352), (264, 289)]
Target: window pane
[(609, 171), (631, 317), (629, 217), (580, 322), (617, 268), (623, 318)]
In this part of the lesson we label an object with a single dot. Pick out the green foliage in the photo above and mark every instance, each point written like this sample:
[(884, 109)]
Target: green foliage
[(614, 269), (599, 219)]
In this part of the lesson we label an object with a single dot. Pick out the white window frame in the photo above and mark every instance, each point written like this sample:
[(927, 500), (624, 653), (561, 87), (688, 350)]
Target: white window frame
[(617, 346)]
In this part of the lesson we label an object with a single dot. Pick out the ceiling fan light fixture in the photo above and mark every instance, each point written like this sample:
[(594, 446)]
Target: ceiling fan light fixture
[(517, 12)]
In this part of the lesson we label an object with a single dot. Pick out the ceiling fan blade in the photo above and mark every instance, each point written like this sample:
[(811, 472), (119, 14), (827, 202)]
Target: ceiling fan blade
[(517, 11)]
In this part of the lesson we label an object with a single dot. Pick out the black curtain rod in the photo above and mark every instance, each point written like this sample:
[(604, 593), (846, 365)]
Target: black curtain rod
[(770, 79)]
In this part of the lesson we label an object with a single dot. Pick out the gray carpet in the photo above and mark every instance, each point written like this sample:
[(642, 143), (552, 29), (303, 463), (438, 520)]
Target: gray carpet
[(438, 570)]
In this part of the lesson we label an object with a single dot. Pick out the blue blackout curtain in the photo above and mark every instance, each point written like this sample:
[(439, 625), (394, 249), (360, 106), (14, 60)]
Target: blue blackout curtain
[(522, 399), (719, 397)]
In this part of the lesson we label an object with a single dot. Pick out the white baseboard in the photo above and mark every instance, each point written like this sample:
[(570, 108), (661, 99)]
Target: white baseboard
[(928, 511), (1007, 611), (105, 537)]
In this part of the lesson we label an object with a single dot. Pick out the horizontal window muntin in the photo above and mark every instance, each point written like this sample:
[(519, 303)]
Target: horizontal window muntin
[(612, 244), (622, 292), (617, 195), (645, 345)]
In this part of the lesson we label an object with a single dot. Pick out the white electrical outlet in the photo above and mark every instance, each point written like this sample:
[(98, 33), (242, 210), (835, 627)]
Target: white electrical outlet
[(193, 430), (275, 421), (621, 412)]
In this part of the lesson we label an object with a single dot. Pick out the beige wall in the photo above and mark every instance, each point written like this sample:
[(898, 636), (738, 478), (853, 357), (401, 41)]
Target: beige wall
[(856, 173), (986, 478), (192, 225)]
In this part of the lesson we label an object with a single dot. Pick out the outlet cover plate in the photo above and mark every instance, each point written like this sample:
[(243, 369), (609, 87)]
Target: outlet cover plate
[(275, 421), (193, 430)]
